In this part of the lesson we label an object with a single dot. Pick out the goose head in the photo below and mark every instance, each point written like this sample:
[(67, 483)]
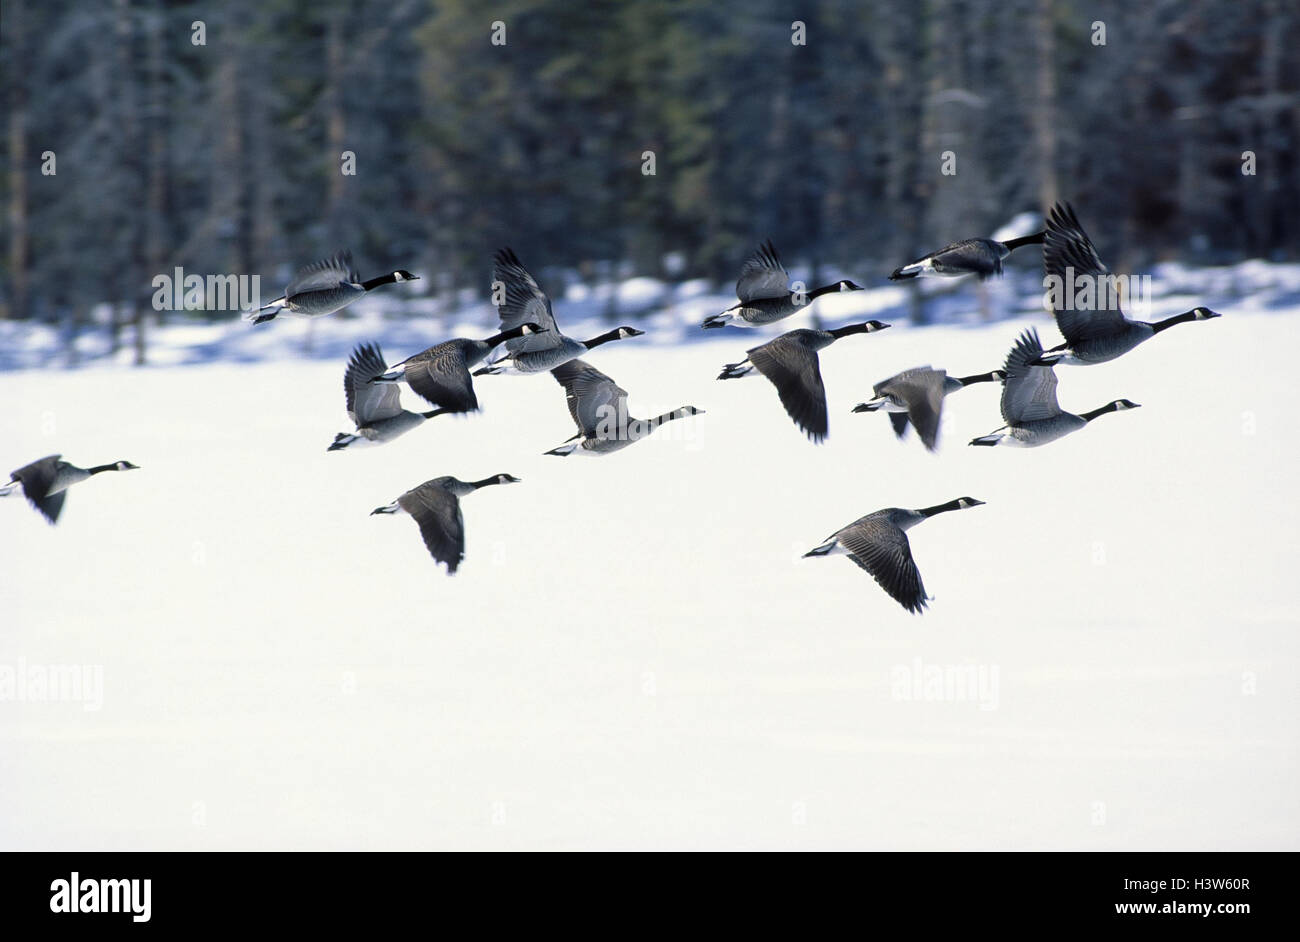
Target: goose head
[(507, 479), (625, 332), (125, 466), (1204, 313), (847, 285), (527, 329), (964, 502), (403, 275), (1119, 405)]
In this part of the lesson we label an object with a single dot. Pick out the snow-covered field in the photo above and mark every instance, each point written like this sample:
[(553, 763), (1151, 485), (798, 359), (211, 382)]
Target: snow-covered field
[(633, 654)]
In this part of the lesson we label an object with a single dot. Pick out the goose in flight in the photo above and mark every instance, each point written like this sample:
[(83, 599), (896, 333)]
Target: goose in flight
[(982, 257), (1029, 405), (441, 374), (524, 302), (790, 362), (1098, 330), (878, 543), (598, 406), (45, 482), (324, 287), (435, 505), (375, 408), (765, 295), (917, 395)]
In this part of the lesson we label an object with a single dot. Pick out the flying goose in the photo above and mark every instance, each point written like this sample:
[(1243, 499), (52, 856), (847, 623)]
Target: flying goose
[(790, 362), (441, 373), (982, 257), (1100, 331), (45, 482), (599, 409), (525, 302), (764, 292), (1029, 404), (917, 394), (435, 505), (878, 543), (324, 287), (375, 408)]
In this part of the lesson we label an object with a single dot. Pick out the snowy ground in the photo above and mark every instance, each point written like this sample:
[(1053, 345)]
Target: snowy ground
[(633, 654)]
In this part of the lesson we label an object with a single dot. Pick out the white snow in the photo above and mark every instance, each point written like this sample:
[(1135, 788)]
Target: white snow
[(634, 654)]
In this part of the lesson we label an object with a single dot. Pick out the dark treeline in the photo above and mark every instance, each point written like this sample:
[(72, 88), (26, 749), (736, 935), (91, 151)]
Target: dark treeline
[(226, 156)]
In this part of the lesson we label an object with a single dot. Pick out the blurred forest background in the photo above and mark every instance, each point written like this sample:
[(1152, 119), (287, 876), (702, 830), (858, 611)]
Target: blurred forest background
[(226, 156)]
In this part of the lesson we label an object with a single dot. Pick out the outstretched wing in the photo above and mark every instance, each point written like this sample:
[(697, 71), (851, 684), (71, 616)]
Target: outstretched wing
[(796, 373), (763, 275), (1029, 392), (524, 302), (369, 401), (323, 275), (597, 403), (1069, 256), (37, 478), (442, 377), (437, 513), (882, 549)]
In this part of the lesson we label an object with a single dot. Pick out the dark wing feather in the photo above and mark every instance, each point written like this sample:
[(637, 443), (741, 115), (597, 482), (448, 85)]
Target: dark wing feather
[(922, 391), (323, 275), (763, 275), (1029, 392), (437, 512), (368, 401), (796, 373), (882, 549), (441, 376), (37, 478), (899, 421), (524, 303), (597, 404), (1067, 246)]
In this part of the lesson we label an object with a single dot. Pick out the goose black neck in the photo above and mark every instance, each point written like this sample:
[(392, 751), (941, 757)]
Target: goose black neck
[(977, 378), (839, 332), (824, 289), (1035, 239), (101, 467), (940, 508), (1089, 416), (497, 339), (486, 482), (603, 338), (435, 413), (390, 278), (1171, 321), (666, 417)]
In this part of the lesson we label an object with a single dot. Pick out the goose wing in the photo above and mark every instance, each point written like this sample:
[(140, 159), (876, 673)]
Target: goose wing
[(796, 373), (763, 275), (1067, 246), (37, 478), (1029, 392), (597, 403), (441, 375), (882, 549), (369, 401), (921, 390), (524, 303), (323, 275), (437, 512)]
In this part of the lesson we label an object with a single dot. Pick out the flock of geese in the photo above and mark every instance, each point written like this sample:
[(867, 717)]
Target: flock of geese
[(529, 341)]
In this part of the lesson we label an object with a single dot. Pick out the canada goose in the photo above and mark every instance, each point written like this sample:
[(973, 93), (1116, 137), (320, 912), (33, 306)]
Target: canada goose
[(599, 409), (324, 287), (375, 408), (441, 373), (917, 394), (764, 292), (1100, 331), (982, 257), (525, 302), (790, 362), (878, 543), (1029, 404), (435, 505), (45, 482)]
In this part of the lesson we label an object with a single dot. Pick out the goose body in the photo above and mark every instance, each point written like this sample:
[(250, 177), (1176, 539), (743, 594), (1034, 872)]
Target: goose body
[(790, 362), (981, 257), (1029, 405), (916, 396), (441, 374), (1102, 332), (878, 544), (525, 302), (435, 505), (765, 295), (45, 481), (598, 406), (324, 287), (375, 408)]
